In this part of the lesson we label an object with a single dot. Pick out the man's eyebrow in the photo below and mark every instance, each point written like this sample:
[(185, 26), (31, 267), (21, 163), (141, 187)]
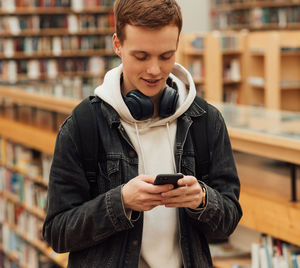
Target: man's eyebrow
[(138, 51), (144, 52), (170, 51)]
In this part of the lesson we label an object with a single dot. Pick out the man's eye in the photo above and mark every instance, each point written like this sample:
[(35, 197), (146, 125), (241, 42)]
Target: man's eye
[(140, 58), (166, 57)]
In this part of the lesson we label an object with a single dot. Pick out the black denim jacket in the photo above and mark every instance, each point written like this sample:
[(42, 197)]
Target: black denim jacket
[(97, 232)]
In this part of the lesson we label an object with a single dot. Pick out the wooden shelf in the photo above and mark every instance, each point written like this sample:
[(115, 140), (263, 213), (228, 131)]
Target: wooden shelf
[(290, 87), (212, 58), (257, 53), (30, 136), (58, 31), (229, 262), (266, 59), (50, 103), (55, 10), (230, 52), (265, 198), (264, 27), (17, 170), (254, 4), (278, 148), (33, 210), (290, 53), (230, 82), (193, 53), (238, 16), (41, 246), (12, 256), (24, 77), (64, 54)]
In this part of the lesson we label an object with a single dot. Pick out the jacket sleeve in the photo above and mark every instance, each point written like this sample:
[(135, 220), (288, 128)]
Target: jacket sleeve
[(219, 218), (73, 221)]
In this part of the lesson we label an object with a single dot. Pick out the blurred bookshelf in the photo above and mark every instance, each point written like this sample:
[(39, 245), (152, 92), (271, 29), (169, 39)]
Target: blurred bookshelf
[(53, 53), (255, 14)]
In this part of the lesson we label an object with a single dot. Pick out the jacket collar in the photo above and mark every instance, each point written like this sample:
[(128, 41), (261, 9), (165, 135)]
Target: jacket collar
[(195, 110)]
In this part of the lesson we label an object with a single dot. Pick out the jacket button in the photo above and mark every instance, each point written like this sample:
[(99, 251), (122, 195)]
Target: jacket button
[(135, 242), (131, 154)]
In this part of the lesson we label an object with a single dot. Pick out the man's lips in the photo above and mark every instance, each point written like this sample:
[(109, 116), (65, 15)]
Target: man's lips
[(151, 81)]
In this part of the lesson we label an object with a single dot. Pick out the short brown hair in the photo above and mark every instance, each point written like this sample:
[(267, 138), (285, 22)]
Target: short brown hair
[(152, 14)]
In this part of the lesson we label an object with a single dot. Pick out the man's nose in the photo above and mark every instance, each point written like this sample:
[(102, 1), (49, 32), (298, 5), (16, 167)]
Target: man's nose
[(153, 68)]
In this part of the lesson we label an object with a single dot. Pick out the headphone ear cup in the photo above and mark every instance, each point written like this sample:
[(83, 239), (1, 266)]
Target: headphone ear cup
[(139, 105), (168, 102)]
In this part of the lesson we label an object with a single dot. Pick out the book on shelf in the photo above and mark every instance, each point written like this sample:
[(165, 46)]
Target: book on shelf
[(231, 95), (258, 17), (198, 43), (22, 197), (228, 42), (54, 45), (256, 81), (200, 91), (69, 24), (76, 5), (232, 70), (274, 253), (196, 68), (14, 71), (25, 254), (34, 164)]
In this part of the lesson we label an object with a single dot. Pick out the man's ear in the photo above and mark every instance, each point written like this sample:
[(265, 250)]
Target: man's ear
[(116, 45)]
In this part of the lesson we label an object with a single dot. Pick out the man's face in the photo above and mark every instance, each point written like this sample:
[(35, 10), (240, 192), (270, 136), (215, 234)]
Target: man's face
[(148, 57)]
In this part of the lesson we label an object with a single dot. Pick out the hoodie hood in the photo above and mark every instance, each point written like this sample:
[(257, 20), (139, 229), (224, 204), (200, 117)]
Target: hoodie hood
[(110, 92)]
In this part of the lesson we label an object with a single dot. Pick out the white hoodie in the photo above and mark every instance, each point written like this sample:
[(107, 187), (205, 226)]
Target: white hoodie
[(154, 141)]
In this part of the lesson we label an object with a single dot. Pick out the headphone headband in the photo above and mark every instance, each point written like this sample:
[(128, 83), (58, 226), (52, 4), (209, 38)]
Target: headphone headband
[(141, 106)]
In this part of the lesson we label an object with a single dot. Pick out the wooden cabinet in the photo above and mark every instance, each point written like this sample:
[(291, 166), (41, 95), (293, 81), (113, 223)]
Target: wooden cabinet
[(216, 61), (191, 54), (273, 70), (255, 14), (266, 146), (252, 68)]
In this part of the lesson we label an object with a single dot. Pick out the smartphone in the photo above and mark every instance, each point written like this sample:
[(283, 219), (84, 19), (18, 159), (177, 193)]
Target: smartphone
[(162, 179)]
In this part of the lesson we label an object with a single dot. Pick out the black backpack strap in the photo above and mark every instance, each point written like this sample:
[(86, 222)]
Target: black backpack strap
[(85, 122), (200, 141)]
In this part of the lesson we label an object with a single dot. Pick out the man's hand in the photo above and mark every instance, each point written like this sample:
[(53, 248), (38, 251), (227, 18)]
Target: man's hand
[(140, 194), (188, 194)]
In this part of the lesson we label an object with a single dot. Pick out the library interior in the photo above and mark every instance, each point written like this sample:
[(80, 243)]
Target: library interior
[(244, 57)]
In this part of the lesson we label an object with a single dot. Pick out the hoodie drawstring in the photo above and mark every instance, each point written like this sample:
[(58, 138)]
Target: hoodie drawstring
[(139, 142), (171, 147)]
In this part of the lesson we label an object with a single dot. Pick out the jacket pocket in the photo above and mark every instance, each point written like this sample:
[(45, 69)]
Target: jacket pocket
[(109, 174), (113, 172), (188, 165)]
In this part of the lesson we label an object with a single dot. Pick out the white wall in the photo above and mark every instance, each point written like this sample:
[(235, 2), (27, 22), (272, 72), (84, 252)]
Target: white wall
[(196, 15)]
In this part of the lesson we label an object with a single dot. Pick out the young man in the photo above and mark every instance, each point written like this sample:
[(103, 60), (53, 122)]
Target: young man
[(147, 107)]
